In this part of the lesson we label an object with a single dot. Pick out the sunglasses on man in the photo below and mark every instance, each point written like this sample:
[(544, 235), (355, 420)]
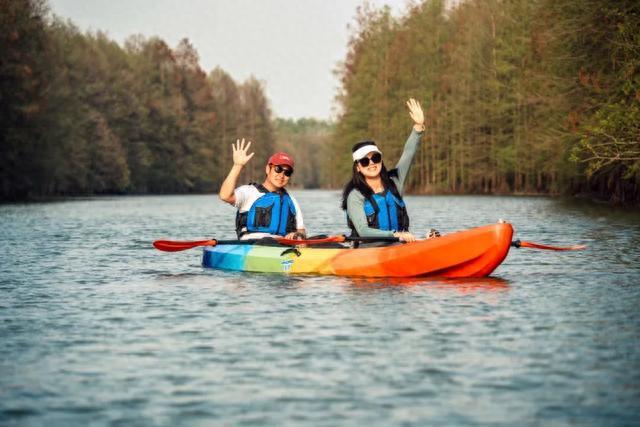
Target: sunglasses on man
[(279, 169), (376, 158)]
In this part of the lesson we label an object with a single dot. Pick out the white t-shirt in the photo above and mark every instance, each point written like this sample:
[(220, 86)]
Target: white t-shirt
[(246, 195)]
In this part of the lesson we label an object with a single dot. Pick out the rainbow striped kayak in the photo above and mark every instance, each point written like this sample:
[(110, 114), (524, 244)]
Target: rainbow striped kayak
[(470, 253)]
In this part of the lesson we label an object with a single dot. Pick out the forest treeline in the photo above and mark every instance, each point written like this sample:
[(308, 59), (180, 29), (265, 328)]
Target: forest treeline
[(521, 96), (82, 115), (524, 96)]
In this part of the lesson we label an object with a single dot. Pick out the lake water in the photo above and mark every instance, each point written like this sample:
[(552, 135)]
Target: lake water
[(98, 328)]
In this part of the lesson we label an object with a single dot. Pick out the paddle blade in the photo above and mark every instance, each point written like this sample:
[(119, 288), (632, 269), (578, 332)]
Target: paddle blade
[(175, 246), (521, 244)]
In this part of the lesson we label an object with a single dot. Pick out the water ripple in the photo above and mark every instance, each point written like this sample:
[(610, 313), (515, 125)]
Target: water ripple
[(98, 328)]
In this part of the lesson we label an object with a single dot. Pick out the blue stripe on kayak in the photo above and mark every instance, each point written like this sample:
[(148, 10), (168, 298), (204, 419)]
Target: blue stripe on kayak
[(228, 257)]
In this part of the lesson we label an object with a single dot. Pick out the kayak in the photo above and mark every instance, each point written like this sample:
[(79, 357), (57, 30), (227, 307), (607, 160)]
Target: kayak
[(470, 253)]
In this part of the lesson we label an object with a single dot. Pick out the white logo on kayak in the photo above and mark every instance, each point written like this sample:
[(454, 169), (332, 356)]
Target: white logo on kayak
[(286, 264)]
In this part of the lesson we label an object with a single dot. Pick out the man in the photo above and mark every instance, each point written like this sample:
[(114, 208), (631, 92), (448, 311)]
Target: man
[(264, 210)]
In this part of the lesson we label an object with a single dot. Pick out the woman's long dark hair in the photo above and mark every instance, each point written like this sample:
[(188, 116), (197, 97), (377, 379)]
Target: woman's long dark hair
[(358, 182)]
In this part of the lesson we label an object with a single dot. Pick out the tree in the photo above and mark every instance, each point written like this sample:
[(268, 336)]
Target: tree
[(23, 77)]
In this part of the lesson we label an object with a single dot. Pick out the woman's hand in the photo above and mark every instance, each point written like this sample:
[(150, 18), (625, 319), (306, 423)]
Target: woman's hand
[(296, 235), (405, 236), (416, 113), (240, 156)]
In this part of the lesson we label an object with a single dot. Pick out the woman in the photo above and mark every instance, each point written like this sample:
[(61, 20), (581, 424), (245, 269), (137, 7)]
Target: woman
[(373, 197)]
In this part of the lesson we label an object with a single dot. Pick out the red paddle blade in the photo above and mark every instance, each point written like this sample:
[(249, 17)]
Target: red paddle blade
[(293, 242), (550, 248), (174, 246)]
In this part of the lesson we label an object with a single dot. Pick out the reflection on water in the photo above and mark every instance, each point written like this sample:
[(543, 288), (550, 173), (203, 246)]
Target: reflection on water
[(99, 328), (463, 285)]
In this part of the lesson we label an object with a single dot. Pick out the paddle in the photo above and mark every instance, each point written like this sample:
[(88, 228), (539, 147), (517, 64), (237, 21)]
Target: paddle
[(520, 244), (175, 246)]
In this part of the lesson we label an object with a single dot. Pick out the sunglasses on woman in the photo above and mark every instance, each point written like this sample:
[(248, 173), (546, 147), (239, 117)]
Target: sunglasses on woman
[(376, 158), (279, 169)]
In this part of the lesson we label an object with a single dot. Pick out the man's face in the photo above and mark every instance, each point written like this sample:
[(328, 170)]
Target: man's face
[(278, 175)]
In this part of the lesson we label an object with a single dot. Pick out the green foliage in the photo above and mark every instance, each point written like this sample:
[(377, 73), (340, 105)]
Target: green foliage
[(308, 141), (23, 77), (522, 96), (606, 73), (109, 169), (84, 115)]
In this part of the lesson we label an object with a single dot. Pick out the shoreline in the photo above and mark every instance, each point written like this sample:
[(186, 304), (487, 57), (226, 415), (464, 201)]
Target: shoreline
[(583, 197)]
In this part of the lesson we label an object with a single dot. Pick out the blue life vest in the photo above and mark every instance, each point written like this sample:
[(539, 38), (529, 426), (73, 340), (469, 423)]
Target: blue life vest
[(385, 212), (273, 213)]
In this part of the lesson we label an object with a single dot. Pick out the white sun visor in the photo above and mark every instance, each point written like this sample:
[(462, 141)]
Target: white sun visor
[(362, 152)]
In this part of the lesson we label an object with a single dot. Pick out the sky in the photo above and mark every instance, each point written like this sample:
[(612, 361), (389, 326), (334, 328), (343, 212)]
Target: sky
[(292, 46)]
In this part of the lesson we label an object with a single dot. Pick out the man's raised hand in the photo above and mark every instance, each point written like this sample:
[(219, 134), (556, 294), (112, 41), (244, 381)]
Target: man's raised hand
[(240, 156)]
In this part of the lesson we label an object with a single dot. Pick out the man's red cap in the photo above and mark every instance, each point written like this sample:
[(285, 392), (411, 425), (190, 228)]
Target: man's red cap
[(281, 158)]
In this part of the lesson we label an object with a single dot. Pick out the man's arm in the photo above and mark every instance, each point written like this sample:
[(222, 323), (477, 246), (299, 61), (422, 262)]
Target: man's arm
[(300, 232), (229, 184)]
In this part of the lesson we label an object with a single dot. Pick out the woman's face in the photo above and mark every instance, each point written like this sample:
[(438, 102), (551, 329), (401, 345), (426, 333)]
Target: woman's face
[(373, 163)]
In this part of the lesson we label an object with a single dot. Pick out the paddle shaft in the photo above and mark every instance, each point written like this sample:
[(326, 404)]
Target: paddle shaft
[(334, 239), (175, 246)]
